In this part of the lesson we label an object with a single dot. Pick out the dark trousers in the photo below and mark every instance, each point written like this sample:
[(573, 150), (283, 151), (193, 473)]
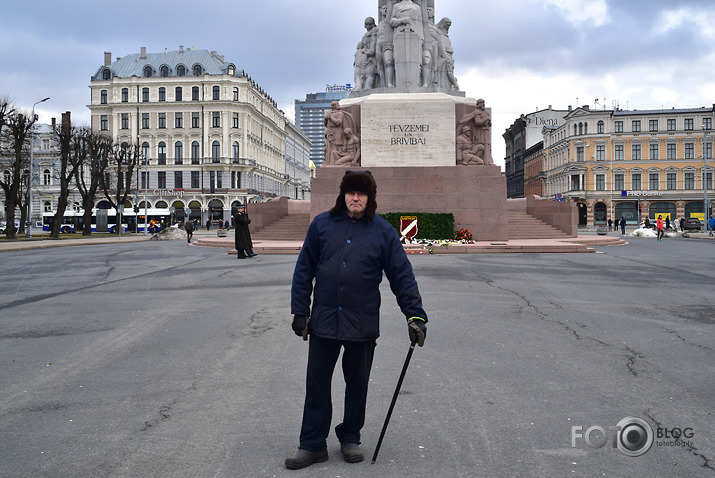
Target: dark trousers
[(317, 412)]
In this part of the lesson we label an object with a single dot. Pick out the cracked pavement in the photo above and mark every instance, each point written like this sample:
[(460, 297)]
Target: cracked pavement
[(161, 359)]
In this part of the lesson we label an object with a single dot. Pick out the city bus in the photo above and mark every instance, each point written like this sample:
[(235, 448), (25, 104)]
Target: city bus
[(72, 221)]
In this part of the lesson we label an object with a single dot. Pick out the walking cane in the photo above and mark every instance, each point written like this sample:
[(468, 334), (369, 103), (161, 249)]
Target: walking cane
[(394, 399)]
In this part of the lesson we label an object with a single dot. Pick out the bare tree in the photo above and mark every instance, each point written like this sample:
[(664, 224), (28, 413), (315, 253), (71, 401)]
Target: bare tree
[(117, 183), (92, 152), (14, 162), (70, 151)]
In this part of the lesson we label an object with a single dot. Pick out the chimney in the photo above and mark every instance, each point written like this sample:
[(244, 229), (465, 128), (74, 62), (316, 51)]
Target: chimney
[(213, 53), (181, 48), (107, 58), (54, 123), (66, 122), (143, 53)]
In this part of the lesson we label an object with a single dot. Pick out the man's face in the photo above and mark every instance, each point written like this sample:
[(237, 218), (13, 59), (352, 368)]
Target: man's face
[(356, 201)]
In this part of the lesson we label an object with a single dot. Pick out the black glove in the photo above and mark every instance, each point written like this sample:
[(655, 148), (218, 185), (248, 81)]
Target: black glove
[(300, 326), (417, 329)]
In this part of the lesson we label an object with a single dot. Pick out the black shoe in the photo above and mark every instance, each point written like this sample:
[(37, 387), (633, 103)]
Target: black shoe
[(251, 253), (305, 458), (352, 452), (241, 256)]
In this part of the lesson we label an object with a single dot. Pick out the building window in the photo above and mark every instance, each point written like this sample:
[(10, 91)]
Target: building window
[(46, 177), (103, 97), (636, 181), (178, 120), (619, 126), (635, 152), (689, 180), (195, 120), (636, 126), (162, 94), (653, 181), (709, 180), (162, 153), (162, 120), (178, 153), (600, 182), (235, 120), (653, 151), (145, 152), (195, 152), (216, 119), (195, 180), (148, 71), (145, 120), (235, 152), (219, 179), (599, 127), (145, 95), (164, 71), (689, 150), (653, 125), (125, 120), (708, 123), (181, 70), (708, 150), (216, 91), (235, 94), (197, 70), (671, 181), (104, 122), (107, 74), (671, 125), (619, 182), (195, 93), (125, 95), (215, 152), (619, 152), (161, 180), (671, 151), (178, 93), (143, 180), (178, 180), (601, 152), (579, 153), (688, 124)]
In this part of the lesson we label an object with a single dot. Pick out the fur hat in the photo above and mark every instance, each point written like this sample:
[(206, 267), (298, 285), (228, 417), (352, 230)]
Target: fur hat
[(357, 181)]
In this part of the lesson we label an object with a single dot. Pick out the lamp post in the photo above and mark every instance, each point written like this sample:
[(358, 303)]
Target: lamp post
[(28, 230), (705, 178)]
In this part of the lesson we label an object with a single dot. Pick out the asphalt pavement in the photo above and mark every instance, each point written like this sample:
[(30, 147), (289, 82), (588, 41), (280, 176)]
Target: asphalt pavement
[(160, 359)]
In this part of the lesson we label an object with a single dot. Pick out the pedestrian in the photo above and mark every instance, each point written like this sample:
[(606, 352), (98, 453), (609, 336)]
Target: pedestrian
[(667, 222), (682, 224), (340, 265), (711, 223), (610, 223), (189, 226), (243, 243), (623, 225), (225, 224), (208, 224), (659, 227)]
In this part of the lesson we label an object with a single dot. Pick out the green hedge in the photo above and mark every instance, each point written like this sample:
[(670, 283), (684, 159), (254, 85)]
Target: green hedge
[(431, 225)]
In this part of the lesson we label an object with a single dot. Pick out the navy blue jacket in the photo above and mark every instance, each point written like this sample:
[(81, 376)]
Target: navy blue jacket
[(346, 258)]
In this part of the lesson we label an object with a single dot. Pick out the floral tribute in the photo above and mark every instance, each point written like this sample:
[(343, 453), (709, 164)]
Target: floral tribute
[(463, 235)]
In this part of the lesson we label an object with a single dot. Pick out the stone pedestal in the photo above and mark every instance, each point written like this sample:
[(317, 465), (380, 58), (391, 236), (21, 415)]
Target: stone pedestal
[(408, 129), (476, 195)]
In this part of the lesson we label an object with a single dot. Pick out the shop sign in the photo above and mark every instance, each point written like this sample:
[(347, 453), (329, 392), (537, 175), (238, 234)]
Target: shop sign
[(641, 193)]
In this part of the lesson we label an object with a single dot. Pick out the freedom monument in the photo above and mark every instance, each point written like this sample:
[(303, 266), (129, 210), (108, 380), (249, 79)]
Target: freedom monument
[(427, 145)]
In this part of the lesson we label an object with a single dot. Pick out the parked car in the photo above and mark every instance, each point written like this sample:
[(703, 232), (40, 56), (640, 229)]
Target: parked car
[(3, 226), (692, 223)]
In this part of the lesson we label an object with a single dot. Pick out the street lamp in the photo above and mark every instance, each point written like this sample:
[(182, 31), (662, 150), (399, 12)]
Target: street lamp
[(28, 230), (705, 178)]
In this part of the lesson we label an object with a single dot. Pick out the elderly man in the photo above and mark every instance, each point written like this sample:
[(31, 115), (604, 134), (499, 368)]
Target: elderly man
[(344, 255)]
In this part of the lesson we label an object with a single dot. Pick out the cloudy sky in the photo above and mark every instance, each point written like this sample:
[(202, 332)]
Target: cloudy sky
[(519, 55)]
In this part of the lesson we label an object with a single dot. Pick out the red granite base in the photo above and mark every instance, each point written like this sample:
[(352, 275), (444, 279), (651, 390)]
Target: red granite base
[(476, 195)]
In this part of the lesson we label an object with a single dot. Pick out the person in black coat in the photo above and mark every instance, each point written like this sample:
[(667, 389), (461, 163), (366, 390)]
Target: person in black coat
[(243, 243)]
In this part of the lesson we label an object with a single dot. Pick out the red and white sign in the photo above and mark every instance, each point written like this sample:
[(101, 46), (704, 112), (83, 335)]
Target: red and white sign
[(408, 228)]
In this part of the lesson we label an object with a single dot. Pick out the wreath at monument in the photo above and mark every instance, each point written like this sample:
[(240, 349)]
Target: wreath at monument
[(463, 235)]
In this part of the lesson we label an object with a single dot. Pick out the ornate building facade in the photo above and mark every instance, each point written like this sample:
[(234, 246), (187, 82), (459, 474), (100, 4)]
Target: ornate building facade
[(632, 164), (211, 136)]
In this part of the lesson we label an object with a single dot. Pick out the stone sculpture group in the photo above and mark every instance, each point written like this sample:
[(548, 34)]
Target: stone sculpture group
[(406, 52)]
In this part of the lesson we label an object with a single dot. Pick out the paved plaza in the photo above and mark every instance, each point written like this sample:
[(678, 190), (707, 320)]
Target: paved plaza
[(160, 359)]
